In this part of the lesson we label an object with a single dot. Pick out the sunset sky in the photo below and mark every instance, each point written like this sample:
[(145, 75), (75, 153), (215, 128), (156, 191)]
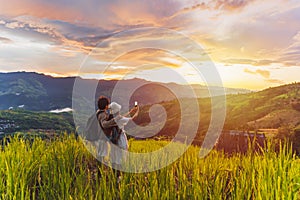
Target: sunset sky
[(254, 44)]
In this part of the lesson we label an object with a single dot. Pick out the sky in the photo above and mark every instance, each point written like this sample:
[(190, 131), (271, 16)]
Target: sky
[(249, 44)]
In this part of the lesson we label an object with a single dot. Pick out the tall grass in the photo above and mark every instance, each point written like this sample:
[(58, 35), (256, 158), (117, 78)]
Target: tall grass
[(63, 169)]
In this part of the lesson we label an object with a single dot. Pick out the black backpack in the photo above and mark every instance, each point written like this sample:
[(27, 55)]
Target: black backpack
[(115, 133), (93, 129)]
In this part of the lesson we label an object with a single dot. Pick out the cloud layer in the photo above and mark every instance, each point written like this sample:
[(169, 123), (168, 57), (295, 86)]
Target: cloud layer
[(55, 36)]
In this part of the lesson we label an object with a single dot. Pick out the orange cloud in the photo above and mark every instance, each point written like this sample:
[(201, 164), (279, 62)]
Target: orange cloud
[(227, 5), (40, 9), (133, 14), (231, 5), (152, 58), (276, 81), (263, 73), (249, 61)]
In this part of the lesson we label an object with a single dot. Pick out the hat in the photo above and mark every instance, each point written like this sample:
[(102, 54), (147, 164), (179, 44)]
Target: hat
[(114, 107)]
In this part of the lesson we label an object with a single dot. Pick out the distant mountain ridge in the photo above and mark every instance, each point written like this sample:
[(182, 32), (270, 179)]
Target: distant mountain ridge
[(39, 92), (34, 91)]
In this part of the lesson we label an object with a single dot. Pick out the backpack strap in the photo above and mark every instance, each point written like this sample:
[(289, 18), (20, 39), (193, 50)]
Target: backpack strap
[(119, 133), (97, 114)]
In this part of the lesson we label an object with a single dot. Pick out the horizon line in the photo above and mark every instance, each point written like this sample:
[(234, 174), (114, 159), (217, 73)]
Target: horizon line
[(54, 75)]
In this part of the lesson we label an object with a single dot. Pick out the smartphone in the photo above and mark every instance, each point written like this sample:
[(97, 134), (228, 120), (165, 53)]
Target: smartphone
[(135, 104)]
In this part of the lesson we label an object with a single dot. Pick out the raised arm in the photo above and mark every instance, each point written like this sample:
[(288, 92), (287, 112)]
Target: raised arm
[(136, 113), (135, 109)]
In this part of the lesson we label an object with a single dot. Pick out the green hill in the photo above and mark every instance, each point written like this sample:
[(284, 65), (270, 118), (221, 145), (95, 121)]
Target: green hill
[(270, 108), (22, 120), (273, 108)]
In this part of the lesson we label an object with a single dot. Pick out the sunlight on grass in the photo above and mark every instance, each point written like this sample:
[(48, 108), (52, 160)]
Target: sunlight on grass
[(64, 169)]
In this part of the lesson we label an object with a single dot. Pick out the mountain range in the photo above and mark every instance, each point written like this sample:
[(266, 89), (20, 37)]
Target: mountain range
[(273, 108), (39, 92)]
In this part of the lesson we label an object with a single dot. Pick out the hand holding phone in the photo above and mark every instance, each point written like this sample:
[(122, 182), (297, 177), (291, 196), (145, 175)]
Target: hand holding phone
[(136, 109)]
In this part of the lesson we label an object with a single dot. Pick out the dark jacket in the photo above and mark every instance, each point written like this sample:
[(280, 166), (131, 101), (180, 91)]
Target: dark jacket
[(106, 124)]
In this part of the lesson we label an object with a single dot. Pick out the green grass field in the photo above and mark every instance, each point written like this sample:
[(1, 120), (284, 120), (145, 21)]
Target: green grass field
[(63, 169)]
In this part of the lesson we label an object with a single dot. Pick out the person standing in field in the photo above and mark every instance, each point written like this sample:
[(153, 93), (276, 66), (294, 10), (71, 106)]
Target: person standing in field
[(119, 134), (108, 123), (106, 126)]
